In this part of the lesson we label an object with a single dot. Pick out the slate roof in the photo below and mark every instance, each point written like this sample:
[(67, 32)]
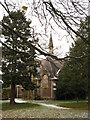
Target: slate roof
[(52, 66)]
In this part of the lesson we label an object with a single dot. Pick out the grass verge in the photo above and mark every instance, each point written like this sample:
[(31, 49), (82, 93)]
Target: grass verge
[(76, 105), (83, 104), (8, 106)]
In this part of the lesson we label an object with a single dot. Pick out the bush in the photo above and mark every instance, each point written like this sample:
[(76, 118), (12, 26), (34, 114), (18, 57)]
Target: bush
[(37, 97), (25, 95), (6, 93)]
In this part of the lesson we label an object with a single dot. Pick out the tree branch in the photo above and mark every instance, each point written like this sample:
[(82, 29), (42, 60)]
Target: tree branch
[(59, 14), (31, 45)]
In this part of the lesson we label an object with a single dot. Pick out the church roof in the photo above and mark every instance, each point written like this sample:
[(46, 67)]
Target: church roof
[(52, 66), (49, 65)]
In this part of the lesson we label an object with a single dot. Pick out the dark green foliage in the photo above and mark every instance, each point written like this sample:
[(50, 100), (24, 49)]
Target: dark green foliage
[(73, 79), (5, 93), (29, 85), (15, 63), (37, 97)]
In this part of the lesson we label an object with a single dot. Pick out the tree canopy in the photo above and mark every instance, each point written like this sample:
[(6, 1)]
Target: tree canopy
[(18, 66), (73, 79), (66, 15)]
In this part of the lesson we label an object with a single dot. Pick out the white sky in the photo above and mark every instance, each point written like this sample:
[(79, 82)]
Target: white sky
[(61, 44), (89, 8)]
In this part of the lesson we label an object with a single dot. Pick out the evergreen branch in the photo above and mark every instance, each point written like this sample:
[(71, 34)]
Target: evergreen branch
[(16, 51)]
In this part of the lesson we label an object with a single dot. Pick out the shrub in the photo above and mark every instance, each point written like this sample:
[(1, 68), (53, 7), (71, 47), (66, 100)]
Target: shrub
[(37, 97), (6, 93)]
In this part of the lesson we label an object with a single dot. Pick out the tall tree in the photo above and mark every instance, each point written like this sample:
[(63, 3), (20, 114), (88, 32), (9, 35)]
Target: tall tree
[(73, 79), (20, 55)]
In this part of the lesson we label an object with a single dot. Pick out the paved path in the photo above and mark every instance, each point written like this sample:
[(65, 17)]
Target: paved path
[(16, 100), (20, 101), (39, 103), (50, 105)]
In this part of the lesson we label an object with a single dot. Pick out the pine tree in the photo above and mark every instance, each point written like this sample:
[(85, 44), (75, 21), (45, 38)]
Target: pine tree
[(15, 64), (73, 79)]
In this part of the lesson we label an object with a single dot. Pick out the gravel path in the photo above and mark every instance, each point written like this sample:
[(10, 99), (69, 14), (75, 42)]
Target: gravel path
[(45, 111)]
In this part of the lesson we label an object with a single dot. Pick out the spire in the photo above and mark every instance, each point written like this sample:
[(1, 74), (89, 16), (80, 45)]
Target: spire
[(51, 44)]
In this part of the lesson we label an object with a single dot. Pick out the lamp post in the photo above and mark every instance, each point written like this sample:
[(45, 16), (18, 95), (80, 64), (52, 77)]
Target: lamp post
[(1, 82), (17, 91)]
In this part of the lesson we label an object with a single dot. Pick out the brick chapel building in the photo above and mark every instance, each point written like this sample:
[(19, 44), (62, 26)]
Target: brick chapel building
[(48, 71)]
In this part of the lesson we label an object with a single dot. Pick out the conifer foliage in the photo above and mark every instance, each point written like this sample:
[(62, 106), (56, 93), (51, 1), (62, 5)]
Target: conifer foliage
[(73, 79), (18, 62)]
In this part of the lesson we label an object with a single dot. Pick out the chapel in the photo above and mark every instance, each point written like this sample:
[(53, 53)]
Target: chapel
[(49, 70), (48, 76)]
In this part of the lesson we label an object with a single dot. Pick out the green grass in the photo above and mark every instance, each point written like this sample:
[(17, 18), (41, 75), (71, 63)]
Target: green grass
[(69, 103), (79, 105), (56, 102), (8, 106), (83, 105)]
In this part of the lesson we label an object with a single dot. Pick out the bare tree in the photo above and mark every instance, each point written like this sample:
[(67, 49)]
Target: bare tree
[(66, 14)]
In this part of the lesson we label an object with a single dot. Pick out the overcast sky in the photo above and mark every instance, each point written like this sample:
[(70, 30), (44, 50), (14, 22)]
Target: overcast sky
[(61, 40)]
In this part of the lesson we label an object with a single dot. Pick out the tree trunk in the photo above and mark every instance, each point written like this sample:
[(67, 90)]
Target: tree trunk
[(77, 99), (12, 97), (89, 62)]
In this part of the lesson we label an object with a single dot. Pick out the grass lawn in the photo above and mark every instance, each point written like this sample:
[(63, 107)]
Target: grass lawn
[(83, 105), (77, 105), (8, 106), (70, 104)]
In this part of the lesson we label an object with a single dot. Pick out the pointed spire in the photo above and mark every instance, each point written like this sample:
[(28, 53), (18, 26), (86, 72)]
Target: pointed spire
[(51, 44)]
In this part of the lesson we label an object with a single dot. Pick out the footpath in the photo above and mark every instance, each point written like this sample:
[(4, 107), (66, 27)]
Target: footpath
[(45, 111), (40, 103)]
